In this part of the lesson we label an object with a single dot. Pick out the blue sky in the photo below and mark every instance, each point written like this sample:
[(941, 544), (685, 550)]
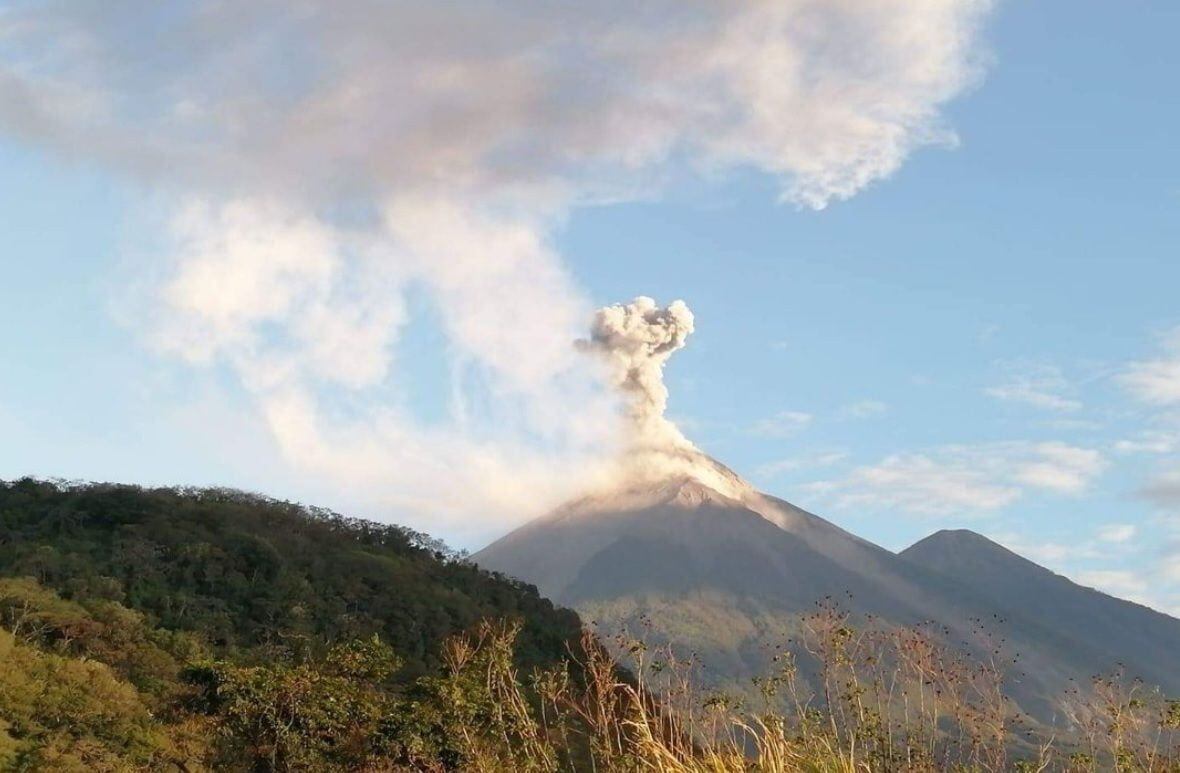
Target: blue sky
[(984, 338)]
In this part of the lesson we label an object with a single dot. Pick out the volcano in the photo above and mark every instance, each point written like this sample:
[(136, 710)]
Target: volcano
[(681, 551), (700, 560)]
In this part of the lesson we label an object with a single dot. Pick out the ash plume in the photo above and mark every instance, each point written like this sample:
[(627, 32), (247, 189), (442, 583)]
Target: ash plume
[(324, 166), (635, 340)]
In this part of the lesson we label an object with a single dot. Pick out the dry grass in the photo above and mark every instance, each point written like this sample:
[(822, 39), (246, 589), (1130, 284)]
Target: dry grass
[(864, 700)]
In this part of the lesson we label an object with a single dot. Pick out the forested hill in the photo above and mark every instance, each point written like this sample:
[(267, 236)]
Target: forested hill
[(250, 574), (190, 630), (210, 630)]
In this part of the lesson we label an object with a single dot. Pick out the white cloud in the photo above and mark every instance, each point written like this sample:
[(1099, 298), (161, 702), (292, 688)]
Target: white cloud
[(1154, 583), (919, 484), (1149, 442), (357, 96), (965, 480), (1073, 425), (783, 424), (246, 268), (1109, 539), (862, 409), (1166, 578), (1041, 386), (1154, 580), (1118, 532), (343, 153), (1164, 490), (1156, 381), (1170, 567), (1059, 467), (1116, 582), (1050, 554), (1055, 553)]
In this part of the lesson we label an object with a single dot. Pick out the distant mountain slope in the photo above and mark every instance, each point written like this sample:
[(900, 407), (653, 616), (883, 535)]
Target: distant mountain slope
[(1117, 631), (726, 575), (244, 571), (682, 537)]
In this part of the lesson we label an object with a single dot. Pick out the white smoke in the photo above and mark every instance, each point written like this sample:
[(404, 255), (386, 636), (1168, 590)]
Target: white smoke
[(636, 341), (330, 157), (351, 100)]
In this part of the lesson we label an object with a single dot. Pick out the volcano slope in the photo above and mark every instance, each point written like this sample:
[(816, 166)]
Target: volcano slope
[(724, 572)]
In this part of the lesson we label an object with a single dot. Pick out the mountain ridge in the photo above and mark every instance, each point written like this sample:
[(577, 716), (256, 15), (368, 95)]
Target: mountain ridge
[(723, 575), (1106, 623)]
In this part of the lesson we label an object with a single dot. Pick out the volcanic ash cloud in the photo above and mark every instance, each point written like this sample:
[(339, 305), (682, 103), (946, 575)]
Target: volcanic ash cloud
[(328, 162), (636, 339)]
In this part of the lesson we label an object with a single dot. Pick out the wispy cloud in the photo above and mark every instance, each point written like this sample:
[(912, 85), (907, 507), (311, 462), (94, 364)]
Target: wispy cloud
[(1156, 381), (862, 409), (1106, 541), (1152, 580), (1149, 442), (918, 484), (329, 157), (1059, 467), (1117, 582), (1040, 386), (1048, 553), (1072, 424), (1165, 575), (1164, 490), (1118, 532), (964, 479), (1170, 566), (827, 97)]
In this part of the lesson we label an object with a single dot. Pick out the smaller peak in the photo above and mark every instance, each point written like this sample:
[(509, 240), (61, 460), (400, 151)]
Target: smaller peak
[(950, 547), (946, 538), (958, 535)]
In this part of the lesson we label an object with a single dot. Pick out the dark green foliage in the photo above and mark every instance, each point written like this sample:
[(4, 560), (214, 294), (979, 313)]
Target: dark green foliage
[(89, 686), (338, 712), (261, 578), (194, 629)]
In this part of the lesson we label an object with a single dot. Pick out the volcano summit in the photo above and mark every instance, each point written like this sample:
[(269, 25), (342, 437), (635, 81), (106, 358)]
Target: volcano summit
[(686, 550)]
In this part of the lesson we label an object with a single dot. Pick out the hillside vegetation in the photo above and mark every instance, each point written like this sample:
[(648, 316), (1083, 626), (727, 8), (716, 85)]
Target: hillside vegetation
[(134, 615), (257, 578), (213, 630)]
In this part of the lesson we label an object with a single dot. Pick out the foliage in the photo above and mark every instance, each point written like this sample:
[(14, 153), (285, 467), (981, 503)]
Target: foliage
[(68, 713), (336, 713), (895, 703), (201, 608), (196, 630), (254, 575)]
